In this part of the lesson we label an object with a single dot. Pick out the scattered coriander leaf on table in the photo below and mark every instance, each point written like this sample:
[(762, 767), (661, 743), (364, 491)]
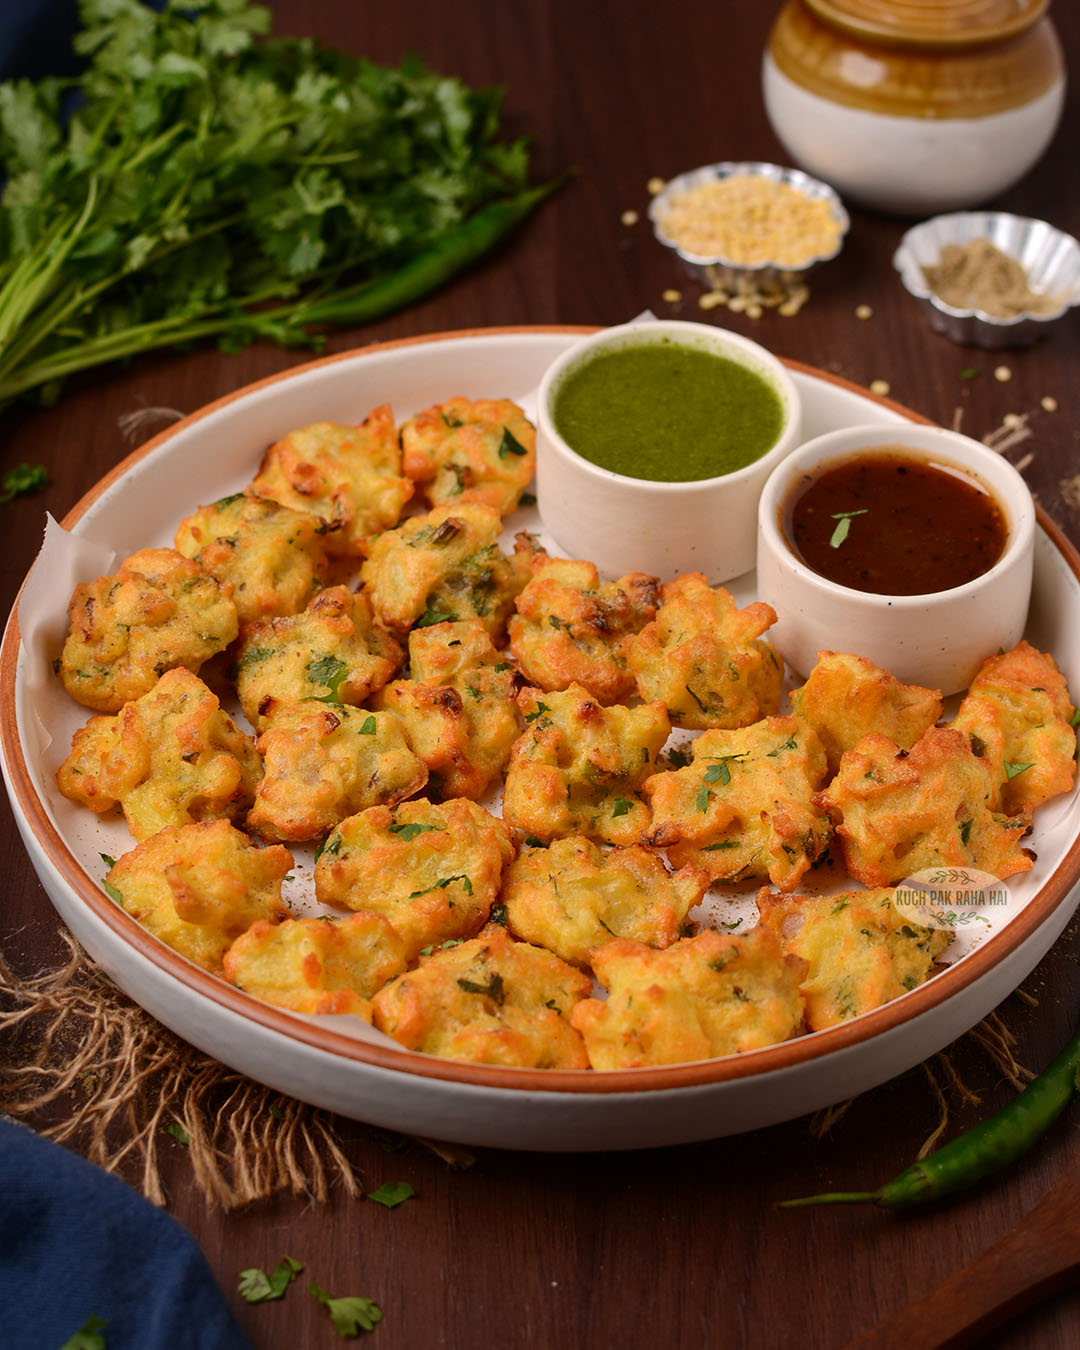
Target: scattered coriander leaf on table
[(392, 1193), (350, 1315), (174, 1127), (23, 480), (256, 1286)]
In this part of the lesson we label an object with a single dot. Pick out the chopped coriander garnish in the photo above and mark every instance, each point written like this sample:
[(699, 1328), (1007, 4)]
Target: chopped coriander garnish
[(369, 726), (730, 927), (349, 1315), (498, 915), (1014, 770), (843, 519), (721, 843), (510, 445), (391, 1193), (493, 989), (789, 744), (331, 844), (541, 708), (620, 807), (408, 832), (433, 616), (466, 886), (533, 842), (703, 798), (255, 1286), (965, 831), (22, 480), (178, 1132), (112, 892), (107, 860), (839, 909), (327, 670)]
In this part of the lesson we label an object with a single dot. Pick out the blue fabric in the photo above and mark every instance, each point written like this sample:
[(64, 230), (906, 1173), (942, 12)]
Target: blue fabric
[(76, 1242)]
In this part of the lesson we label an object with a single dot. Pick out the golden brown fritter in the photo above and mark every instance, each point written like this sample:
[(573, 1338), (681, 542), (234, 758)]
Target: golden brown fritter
[(491, 1001), (198, 887), (464, 450), (317, 965), (432, 869), (714, 994), (333, 651), (899, 811), (1018, 718), (574, 896), (847, 697), (324, 762), (570, 629), (860, 950), (446, 566), (274, 558), (459, 709), (744, 807), (159, 611), (703, 658), (169, 758), (577, 767), (349, 475)]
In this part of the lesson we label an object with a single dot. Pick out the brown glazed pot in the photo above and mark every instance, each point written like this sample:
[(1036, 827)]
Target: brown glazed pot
[(915, 106)]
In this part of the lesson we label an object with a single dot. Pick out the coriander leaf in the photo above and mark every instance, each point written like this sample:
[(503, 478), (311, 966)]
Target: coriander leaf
[(541, 708), (178, 1132), (730, 927), (721, 843), (1014, 770), (330, 844), (112, 892), (350, 1315), (408, 832), (965, 831), (327, 670), (844, 518), (493, 989), (109, 862), (369, 726), (433, 616), (255, 1286), (88, 1336), (703, 798), (498, 915), (391, 1193), (510, 445), (466, 886), (23, 480), (620, 807)]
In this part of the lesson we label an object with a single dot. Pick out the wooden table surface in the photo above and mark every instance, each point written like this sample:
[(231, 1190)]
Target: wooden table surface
[(681, 1247)]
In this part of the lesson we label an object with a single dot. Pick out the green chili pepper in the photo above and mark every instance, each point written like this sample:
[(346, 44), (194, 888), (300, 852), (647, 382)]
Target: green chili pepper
[(988, 1147)]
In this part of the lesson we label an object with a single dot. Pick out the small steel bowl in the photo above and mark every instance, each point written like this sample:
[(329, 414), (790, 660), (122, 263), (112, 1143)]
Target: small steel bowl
[(1050, 258), (716, 271)]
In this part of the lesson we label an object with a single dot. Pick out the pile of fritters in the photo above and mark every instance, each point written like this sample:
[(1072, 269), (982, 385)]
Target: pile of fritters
[(395, 671)]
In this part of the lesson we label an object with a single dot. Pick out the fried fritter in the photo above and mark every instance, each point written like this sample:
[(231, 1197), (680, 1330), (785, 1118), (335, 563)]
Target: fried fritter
[(169, 758), (703, 658), (577, 766), (860, 950), (481, 451), (432, 869), (744, 807), (333, 651), (459, 709), (570, 629), (899, 811), (324, 762), (198, 887), (1019, 718), (714, 994), (575, 896), (273, 557), (847, 697), (446, 566), (317, 965), (159, 611), (491, 1001), (349, 475)]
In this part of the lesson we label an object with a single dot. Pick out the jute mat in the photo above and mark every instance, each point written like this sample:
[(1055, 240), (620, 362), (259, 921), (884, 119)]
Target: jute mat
[(115, 1085)]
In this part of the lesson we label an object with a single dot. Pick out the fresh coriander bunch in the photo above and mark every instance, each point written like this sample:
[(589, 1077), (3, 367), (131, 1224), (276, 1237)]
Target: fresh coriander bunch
[(211, 182)]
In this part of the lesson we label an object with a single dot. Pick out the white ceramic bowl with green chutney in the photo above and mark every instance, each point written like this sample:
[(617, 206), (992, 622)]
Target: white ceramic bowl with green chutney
[(622, 483)]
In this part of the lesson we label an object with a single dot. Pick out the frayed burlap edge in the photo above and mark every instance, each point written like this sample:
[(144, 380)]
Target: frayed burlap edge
[(70, 1037)]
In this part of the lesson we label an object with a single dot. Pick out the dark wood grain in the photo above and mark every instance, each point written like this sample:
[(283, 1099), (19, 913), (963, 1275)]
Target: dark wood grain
[(680, 1248)]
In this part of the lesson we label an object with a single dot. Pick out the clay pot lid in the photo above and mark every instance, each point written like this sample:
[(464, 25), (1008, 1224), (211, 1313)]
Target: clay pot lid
[(930, 23)]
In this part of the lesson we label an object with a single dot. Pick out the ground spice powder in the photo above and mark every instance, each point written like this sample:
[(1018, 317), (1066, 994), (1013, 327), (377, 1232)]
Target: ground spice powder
[(977, 275)]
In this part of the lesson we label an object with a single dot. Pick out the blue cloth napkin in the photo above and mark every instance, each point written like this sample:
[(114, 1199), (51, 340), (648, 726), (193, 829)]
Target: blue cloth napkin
[(77, 1243)]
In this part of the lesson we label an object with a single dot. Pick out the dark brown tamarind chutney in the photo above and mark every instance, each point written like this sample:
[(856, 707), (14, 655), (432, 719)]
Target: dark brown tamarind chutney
[(892, 523)]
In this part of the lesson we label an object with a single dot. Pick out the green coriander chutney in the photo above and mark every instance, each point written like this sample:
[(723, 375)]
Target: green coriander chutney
[(667, 412)]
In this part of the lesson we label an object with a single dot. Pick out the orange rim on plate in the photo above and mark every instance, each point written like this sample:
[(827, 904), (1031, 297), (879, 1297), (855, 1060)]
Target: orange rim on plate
[(786, 1055)]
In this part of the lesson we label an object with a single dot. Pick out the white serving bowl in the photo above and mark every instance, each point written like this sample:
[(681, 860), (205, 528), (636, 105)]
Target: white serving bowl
[(627, 524), (937, 640)]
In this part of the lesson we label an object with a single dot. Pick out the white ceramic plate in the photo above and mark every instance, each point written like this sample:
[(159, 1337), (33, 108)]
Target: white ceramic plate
[(358, 1072)]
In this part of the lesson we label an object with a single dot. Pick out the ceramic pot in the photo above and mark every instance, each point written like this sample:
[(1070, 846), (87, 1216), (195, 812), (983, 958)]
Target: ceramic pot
[(913, 107)]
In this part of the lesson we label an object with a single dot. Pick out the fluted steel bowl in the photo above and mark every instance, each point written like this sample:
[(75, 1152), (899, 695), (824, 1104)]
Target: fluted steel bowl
[(1050, 258)]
